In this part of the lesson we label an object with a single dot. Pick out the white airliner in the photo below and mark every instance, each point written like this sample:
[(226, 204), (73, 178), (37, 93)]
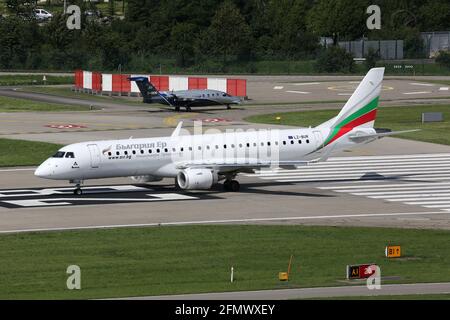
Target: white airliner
[(201, 161)]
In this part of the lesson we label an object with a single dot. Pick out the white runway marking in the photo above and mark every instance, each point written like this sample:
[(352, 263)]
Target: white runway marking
[(182, 223), (419, 92), (69, 201), (420, 179), (443, 89), (278, 87), (422, 84), (306, 84), (300, 92)]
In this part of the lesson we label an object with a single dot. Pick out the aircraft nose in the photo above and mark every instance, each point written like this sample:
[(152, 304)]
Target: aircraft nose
[(43, 171)]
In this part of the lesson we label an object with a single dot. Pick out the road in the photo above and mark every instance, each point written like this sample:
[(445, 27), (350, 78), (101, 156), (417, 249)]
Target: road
[(310, 293)]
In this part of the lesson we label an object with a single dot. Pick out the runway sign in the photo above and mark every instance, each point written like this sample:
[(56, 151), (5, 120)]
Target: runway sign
[(65, 126), (393, 251), (359, 271)]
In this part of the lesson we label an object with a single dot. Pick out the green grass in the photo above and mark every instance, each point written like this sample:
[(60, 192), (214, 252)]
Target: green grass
[(395, 118), (67, 92), (191, 259), (24, 153), (16, 80), (8, 104)]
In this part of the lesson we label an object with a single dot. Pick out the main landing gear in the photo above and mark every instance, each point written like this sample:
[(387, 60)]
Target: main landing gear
[(231, 185)]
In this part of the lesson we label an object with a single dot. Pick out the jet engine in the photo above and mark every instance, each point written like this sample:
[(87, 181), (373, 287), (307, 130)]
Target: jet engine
[(145, 179), (200, 179)]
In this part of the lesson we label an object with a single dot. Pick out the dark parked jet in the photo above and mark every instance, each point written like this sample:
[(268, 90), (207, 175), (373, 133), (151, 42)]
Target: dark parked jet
[(183, 98)]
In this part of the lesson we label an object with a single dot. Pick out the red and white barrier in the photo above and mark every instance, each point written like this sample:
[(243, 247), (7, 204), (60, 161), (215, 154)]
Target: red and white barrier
[(105, 83)]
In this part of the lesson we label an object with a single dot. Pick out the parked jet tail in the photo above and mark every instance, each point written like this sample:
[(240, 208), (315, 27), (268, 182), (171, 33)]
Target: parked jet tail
[(148, 90)]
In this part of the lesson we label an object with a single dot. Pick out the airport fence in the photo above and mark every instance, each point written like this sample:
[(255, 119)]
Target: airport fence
[(118, 84)]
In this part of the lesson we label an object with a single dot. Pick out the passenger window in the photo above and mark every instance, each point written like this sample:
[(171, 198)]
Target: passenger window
[(299, 141), (181, 149), (117, 153), (199, 148), (292, 141), (166, 150), (134, 151), (224, 146), (158, 151), (142, 151), (248, 145), (126, 153), (284, 142), (149, 150), (109, 154), (268, 143), (307, 141), (217, 147)]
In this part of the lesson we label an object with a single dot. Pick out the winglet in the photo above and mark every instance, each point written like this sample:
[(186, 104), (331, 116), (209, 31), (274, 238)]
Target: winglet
[(176, 132)]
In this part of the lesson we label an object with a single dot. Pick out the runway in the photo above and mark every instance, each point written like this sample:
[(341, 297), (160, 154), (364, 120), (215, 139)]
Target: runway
[(310, 293), (391, 191)]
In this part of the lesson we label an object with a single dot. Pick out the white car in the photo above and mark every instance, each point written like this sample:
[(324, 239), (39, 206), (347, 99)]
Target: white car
[(42, 14)]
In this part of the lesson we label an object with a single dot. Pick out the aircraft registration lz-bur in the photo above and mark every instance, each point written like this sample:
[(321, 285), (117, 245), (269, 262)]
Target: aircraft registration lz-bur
[(183, 98), (201, 161)]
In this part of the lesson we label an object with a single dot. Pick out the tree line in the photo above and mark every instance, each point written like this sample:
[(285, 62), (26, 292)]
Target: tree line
[(207, 35)]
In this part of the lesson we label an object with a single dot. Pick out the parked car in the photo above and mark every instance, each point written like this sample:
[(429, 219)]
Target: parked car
[(42, 14)]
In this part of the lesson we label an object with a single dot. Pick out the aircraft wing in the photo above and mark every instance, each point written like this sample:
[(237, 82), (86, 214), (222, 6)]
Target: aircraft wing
[(245, 165)]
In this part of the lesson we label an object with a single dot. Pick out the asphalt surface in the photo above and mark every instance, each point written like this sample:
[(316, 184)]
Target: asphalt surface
[(309, 293), (358, 188)]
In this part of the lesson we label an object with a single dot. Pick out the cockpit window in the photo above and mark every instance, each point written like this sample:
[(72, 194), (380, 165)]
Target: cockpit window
[(59, 154), (70, 155)]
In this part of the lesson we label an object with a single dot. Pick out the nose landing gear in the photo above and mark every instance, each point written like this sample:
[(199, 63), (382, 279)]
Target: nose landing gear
[(77, 191)]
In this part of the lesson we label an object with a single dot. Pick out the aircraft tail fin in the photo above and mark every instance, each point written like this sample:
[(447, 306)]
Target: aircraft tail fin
[(360, 110), (146, 88)]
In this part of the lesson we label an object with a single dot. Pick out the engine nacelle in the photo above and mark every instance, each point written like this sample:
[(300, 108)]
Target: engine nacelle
[(200, 179), (145, 179)]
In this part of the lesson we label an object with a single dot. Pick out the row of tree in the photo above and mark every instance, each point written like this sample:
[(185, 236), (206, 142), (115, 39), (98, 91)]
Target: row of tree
[(213, 32)]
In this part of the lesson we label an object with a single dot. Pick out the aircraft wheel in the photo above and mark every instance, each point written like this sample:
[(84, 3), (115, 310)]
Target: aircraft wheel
[(78, 192), (231, 185), (227, 185), (188, 109), (234, 185), (177, 109), (228, 107)]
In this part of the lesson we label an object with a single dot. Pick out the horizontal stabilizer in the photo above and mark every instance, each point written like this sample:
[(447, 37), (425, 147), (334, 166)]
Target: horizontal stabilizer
[(368, 137)]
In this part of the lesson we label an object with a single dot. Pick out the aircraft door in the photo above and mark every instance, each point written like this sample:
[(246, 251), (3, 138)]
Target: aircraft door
[(95, 155)]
